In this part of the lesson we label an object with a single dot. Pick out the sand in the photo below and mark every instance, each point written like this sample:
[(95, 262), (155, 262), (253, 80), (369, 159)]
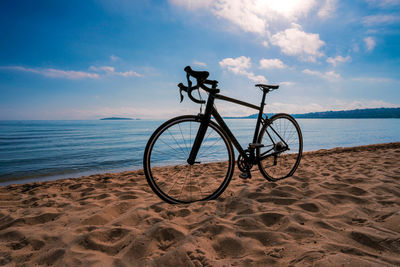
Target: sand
[(341, 208)]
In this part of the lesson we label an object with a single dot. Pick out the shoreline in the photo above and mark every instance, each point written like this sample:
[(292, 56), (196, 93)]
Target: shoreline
[(340, 208), (77, 175)]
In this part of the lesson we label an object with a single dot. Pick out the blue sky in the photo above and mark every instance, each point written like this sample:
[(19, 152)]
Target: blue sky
[(92, 59)]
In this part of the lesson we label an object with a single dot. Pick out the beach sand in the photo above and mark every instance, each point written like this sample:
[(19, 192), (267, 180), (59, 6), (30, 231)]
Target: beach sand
[(341, 208)]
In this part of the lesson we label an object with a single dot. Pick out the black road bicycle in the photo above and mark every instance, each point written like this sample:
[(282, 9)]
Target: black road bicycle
[(190, 158)]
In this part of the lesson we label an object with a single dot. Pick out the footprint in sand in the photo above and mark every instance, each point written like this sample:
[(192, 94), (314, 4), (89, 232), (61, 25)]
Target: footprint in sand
[(51, 257), (266, 238), (309, 207), (248, 223), (229, 246), (271, 218)]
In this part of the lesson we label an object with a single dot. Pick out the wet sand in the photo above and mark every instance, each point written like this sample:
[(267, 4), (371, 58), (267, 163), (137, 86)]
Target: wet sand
[(341, 208)]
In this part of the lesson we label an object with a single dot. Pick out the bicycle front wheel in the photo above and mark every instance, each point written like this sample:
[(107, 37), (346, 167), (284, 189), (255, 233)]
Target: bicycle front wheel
[(283, 146), (165, 161)]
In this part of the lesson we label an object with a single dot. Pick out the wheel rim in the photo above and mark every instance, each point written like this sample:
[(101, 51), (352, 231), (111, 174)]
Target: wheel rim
[(177, 181), (284, 134)]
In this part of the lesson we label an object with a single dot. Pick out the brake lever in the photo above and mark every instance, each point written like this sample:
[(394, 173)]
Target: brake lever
[(181, 88), (189, 90), (180, 92)]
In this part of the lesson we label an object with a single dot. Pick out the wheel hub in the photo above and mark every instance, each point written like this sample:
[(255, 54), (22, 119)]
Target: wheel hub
[(280, 147)]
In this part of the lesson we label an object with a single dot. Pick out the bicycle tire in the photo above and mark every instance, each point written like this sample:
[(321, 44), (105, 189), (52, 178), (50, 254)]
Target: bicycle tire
[(170, 144), (280, 126)]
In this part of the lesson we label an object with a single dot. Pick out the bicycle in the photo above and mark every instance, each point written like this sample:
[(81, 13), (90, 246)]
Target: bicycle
[(190, 158)]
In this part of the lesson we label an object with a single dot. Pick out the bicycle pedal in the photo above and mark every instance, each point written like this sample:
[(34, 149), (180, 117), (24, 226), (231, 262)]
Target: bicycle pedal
[(245, 175)]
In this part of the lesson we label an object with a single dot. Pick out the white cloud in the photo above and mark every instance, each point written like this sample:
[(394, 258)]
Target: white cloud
[(55, 73), (327, 105), (252, 15), (262, 16), (73, 75), (129, 73), (69, 74), (291, 9), (199, 63), (236, 65), (327, 9), (255, 78), (240, 65), (375, 80), (338, 59), (370, 43), (114, 58), (295, 42), (244, 14), (361, 103), (109, 70), (287, 83), (384, 3), (265, 43), (225, 108), (119, 111), (380, 19), (272, 64), (294, 108), (192, 4), (329, 75)]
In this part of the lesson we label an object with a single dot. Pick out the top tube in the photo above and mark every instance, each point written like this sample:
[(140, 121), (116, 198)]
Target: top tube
[(236, 101)]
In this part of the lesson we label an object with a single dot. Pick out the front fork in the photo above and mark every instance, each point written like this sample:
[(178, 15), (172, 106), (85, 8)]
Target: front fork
[(205, 120)]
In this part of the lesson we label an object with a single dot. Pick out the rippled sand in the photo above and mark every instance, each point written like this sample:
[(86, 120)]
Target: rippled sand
[(341, 208)]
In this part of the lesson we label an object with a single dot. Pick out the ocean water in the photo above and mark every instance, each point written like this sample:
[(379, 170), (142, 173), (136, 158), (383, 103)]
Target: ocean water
[(47, 150)]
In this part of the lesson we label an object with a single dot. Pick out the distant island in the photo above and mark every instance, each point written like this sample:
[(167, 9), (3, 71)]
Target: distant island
[(368, 113), (117, 119)]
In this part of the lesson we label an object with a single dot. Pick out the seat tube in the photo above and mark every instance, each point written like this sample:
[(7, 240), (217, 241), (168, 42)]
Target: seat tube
[(205, 120), (260, 114)]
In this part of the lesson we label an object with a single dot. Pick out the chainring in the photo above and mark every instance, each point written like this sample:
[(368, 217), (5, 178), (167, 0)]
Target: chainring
[(242, 164)]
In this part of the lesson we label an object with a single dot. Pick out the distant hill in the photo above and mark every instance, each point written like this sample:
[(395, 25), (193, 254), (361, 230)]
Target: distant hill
[(116, 119), (369, 113)]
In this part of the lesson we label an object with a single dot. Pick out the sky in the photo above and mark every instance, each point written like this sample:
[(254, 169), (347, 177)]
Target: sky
[(93, 59)]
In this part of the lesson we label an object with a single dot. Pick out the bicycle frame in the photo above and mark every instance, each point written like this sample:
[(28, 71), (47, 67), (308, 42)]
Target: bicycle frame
[(211, 111)]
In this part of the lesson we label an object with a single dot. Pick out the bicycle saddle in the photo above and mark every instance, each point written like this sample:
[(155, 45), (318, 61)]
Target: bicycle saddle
[(267, 87)]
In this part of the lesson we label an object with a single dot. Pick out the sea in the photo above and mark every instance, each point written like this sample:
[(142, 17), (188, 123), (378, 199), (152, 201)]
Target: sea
[(38, 150)]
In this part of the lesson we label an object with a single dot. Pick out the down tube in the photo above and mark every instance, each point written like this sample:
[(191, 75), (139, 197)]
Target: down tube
[(221, 122)]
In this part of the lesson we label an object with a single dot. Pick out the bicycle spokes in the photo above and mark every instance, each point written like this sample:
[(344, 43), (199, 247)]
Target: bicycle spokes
[(168, 171), (282, 149)]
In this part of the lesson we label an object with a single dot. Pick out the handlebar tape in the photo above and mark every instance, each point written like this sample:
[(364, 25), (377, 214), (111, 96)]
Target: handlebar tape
[(201, 78), (189, 91)]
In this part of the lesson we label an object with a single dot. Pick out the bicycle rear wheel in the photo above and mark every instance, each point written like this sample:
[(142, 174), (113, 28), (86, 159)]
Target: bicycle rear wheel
[(283, 146), (165, 161)]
